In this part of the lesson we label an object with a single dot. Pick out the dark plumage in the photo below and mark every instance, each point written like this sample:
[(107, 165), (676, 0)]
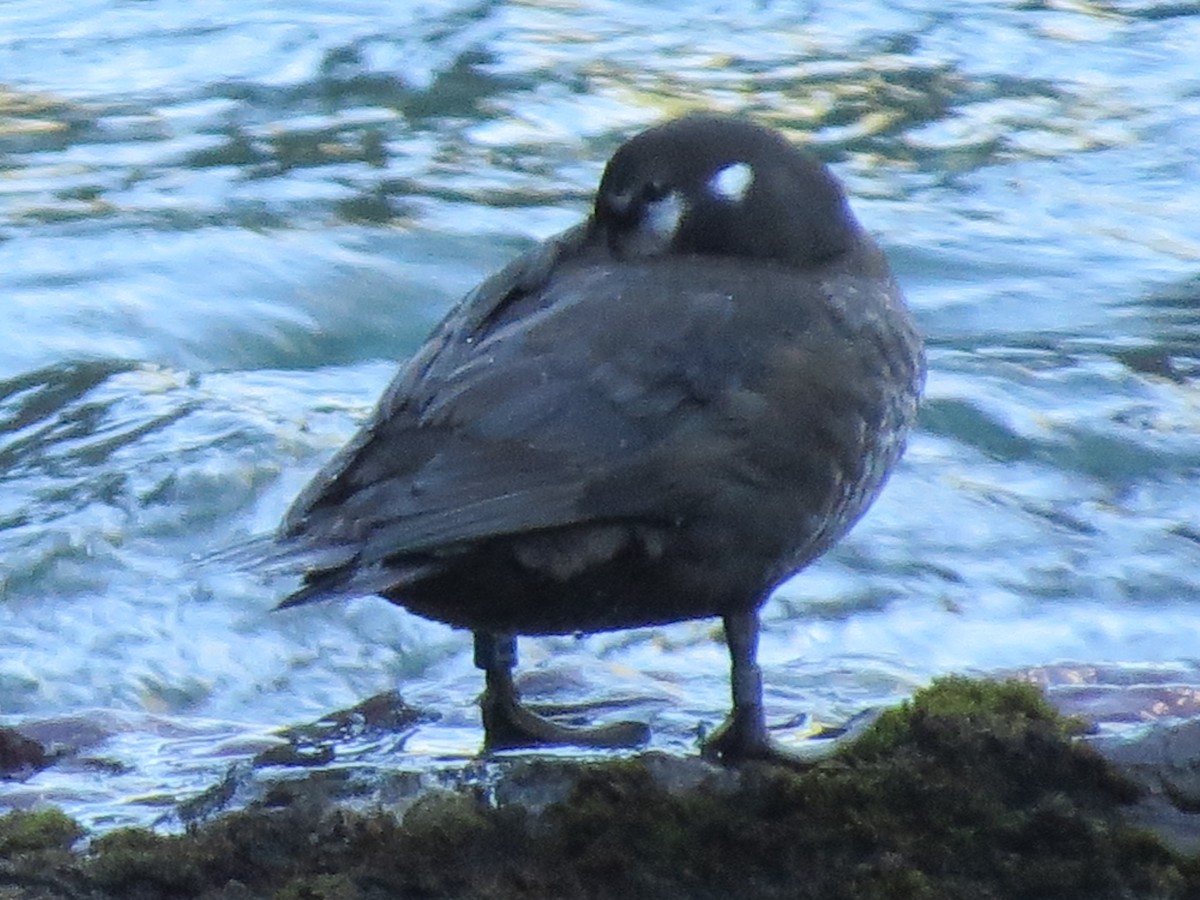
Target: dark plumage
[(657, 415)]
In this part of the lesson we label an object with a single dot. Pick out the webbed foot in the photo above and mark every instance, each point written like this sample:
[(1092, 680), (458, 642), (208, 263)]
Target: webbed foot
[(508, 725), (743, 738)]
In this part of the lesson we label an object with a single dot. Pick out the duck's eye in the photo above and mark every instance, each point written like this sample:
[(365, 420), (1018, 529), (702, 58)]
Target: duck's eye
[(653, 191)]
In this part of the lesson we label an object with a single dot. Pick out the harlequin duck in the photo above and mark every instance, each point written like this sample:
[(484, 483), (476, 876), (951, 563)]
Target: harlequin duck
[(659, 414)]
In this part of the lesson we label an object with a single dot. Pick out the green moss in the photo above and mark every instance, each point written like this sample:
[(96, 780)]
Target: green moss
[(248, 847), (1002, 708), (971, 790), (320, 887), (140, 862), (47, 829)]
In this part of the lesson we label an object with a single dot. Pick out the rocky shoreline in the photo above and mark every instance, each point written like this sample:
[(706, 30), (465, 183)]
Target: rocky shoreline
[(973, 789)]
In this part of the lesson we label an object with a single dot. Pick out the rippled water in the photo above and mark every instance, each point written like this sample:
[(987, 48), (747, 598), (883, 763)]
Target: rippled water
[(221, 226)]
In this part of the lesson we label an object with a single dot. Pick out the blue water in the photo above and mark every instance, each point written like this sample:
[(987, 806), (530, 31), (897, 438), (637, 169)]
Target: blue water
[(223, 225)]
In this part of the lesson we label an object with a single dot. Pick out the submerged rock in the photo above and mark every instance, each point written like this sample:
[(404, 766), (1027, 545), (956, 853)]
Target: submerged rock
[(20, 756)]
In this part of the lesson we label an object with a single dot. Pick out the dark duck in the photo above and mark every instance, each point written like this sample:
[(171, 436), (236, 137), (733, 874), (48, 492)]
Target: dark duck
[(657, 415)]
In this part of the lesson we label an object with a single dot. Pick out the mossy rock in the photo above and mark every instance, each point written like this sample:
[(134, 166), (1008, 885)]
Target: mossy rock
[(970, 790), (23, 832)]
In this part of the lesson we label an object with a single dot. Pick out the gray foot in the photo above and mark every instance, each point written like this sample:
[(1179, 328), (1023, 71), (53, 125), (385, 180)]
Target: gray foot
[(507, 724)]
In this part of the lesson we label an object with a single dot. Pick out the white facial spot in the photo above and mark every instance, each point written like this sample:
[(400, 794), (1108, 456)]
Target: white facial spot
[(656, 230), (662, 216), (732, 182)]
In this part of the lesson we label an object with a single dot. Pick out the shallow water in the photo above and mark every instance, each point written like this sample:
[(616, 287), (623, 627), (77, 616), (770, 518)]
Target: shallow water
[(221, 226)]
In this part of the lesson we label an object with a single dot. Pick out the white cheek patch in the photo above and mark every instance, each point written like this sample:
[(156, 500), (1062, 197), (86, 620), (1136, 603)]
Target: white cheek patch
[(662, 217), (655, 230), (732, 182)]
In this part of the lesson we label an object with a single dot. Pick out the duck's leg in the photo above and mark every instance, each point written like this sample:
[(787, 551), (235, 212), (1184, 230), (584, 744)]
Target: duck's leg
[(743, 735), (508, 724)]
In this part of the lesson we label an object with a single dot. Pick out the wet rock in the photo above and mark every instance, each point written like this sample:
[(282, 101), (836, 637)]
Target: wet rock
[(328, 747), (1164, 758), (385, 716), (1145, 721), (20, 756)]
